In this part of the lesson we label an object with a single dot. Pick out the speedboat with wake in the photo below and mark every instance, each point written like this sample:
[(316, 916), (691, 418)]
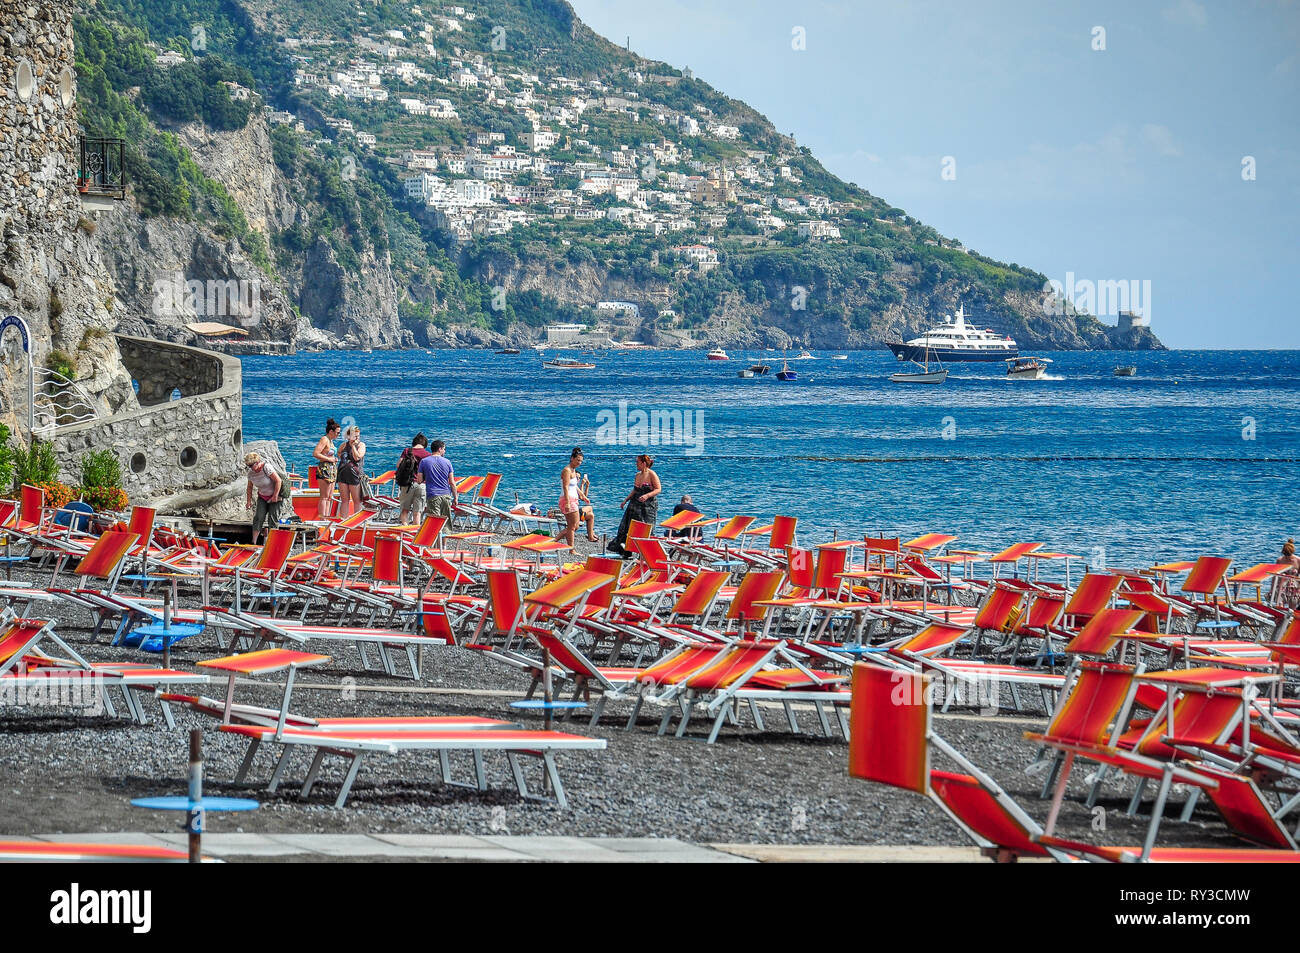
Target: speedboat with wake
[(1027, 368)]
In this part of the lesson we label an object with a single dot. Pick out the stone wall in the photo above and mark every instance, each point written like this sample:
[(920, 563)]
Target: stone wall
[(159, 368), (166, 445), (50, 272)]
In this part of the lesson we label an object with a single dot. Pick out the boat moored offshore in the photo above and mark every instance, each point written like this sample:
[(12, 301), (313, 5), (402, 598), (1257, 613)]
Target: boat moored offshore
[(955, 340)]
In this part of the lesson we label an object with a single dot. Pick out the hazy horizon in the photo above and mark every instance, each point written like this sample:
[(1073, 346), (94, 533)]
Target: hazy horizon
[(1121, 155)]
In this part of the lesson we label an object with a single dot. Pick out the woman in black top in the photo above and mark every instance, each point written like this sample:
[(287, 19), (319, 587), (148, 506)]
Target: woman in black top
[(351, 455), (641, 502)]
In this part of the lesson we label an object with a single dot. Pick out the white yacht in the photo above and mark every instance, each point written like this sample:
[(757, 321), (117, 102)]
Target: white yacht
[(955, 340)]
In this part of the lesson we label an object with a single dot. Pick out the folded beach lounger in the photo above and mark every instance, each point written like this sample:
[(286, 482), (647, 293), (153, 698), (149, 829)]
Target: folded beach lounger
[(63, 852), (354, 745), (891, 741), (1090, 722), (278, 719), (21, 599)]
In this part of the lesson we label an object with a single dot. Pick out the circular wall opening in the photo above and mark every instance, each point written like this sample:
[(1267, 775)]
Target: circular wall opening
[(189, 457), (237, 440), (67, 85), (138, 463), (176, 393), (24, 80)]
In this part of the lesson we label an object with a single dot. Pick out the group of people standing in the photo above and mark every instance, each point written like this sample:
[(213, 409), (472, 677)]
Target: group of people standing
[(425, 477), (426, 482), (340, 467), (641, 502)]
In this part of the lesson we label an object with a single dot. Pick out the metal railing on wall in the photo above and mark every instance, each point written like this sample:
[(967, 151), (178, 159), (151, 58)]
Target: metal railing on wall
[(59, 402), (102, 170)]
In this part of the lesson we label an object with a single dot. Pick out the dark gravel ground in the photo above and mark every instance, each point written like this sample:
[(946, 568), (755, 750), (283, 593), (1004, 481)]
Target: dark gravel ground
[(64, 772)]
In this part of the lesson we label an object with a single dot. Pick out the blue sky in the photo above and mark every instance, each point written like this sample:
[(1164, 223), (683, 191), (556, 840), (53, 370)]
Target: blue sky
[(1118, 164)]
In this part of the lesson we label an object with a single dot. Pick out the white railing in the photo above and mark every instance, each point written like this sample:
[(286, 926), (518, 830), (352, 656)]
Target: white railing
[(59, 402)]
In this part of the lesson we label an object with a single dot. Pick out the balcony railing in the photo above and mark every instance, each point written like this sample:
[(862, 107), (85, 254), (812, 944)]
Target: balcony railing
[(103, 168)]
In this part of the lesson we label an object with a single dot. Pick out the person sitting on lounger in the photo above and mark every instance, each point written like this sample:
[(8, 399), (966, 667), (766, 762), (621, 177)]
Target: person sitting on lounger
[(686, 506)]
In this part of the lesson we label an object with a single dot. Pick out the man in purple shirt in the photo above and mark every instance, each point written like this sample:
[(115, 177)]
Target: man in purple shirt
[(411, 493), (439, 481)]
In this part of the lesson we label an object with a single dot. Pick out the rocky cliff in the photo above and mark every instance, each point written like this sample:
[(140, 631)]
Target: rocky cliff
[(341, 256), (313, 303), (51, 274)]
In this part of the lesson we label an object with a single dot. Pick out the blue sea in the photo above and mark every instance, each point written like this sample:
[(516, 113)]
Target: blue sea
[(1199, 453)]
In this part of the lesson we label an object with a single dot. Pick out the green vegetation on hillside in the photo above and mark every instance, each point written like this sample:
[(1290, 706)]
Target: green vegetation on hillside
[(162, 176), (621, 111)]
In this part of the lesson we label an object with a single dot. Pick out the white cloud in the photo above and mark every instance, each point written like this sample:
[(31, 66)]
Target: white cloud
[(1161, 139)]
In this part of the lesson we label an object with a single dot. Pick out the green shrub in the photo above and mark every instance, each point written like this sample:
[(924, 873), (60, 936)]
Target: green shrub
[(6, 458), (35, 464), (62, 362), (101, 469)]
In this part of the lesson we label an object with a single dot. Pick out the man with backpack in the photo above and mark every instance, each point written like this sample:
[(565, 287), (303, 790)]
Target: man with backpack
[(410, 484)]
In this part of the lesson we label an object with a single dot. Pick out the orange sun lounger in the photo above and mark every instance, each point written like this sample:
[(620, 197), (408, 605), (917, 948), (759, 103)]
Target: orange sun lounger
[(890, 743)]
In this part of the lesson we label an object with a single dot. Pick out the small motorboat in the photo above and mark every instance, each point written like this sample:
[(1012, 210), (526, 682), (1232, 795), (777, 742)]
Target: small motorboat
[(567, 364), (1126, 370), (1027, 368), (718, 354), (508, 350), (924, 375), (745, 373), (804, 356), (759, 370), (785, 374), (839, 357)]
